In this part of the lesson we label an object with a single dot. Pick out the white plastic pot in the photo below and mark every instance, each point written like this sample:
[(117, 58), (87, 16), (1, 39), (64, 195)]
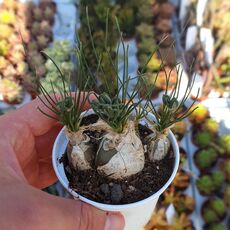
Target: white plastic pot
[(136, 214)]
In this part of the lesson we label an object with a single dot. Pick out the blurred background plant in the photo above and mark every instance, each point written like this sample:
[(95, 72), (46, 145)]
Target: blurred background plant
[(61, 53), (10, 91)]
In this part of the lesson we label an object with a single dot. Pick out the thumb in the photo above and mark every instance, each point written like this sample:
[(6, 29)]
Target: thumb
[(78, 215)]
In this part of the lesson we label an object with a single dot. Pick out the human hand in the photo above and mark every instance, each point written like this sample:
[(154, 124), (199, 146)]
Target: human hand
[(27, 137)]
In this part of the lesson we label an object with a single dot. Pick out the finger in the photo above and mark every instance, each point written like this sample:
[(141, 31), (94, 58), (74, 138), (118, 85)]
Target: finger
[(31, 208), (46, 176), (44, 143), (39, 124), (79, 215)]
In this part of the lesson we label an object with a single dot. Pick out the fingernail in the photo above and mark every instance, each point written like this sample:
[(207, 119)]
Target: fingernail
[(113, 222)]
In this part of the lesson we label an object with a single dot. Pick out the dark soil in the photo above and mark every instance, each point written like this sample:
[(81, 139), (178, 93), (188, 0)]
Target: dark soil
[(91, 185)]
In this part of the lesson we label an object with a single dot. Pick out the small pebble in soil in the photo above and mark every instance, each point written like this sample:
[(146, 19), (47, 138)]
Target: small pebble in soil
[(131, 188), (104, 188), (68, 169), (116, 193)]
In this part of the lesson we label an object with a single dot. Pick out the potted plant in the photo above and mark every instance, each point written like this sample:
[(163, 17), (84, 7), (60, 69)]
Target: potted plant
[(180, 130), (199, 116), (227, 195), (10, 91), (224, 144), (213, 210), (218, 226), (210, 184), (158, 221), (205, 159), (202, 139), (121, 154), (181, 181), (225, 166), (211, 125), (182, 222), (182, 203)]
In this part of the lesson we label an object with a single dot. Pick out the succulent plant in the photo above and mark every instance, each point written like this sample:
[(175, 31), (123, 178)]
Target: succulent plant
[(164, 25), (166, 10), (209, 184), (227, 195), (218, 178), (225, 66), (199, 115), (218, 19), (14, 39), (22, 68), (10, 91), (43, 4), (41, 71), (10, 4), (158, 221), (179, 129), (146, 45), (162, 81), (56, 82), (205, 185), (226, 169), (205, 158), (4, 47), (67, 68), (18, 48), (218, 206), (145, 13), (184, 204), (154, 63), (45, 28), (5, 31), (181, 180), (16, 57), (42, 41), (36, 29), (61, 51), (30, 83), (3, 63), (114, 108), (35, 59), (216, 227), (48, 15), (213, 210), (182, 222), (181, 202), (9, 72), (31, 46), (142, 57), (96, 17), (203, 139), (38, 14), (7, 17), (126, 18), (144, 31), (210, 125), (210, 216), (224, 142)]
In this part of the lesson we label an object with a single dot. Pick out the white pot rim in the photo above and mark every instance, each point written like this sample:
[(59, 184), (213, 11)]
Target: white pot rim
[(59, 170)]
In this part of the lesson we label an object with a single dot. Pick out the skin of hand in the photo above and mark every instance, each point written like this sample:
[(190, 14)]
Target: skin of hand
[(26, 140)]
